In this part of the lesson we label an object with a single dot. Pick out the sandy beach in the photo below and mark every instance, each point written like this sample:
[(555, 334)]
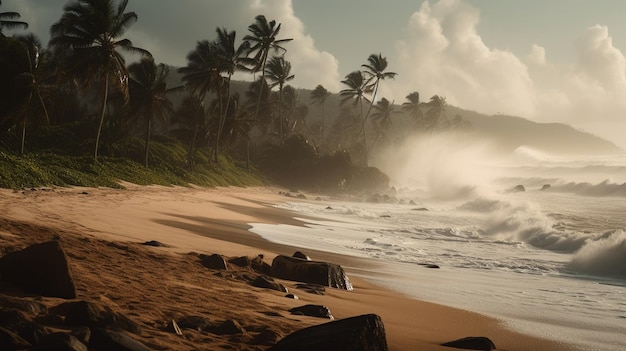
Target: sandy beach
[(102, 231)]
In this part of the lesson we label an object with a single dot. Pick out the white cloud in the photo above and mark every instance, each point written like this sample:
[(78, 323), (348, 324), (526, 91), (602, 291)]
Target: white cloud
[(443, 53)]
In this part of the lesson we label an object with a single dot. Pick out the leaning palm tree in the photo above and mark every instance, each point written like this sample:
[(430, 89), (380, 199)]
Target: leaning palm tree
[(148, 95), (436, 108), (264, 38), (413, 106), (233, 58), (91, 30), (319, 96), (278, 72), (356, 90), (7, 21), (374, 72)]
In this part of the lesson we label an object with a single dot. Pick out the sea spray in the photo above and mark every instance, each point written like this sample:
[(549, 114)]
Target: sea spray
[(605, 256)]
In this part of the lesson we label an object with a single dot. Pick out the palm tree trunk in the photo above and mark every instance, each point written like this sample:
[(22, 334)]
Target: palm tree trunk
[(280, 113), (147, 146), (104, 105), (258, 100), (23, 136)]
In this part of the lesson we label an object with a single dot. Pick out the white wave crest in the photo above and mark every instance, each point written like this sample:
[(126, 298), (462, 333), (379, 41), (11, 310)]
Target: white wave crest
[(605, 256)]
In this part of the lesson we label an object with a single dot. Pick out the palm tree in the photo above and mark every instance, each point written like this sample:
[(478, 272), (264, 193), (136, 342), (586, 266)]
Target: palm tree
[(6, 21), (383, 110), (414, 108), (278, 72), (262, 40), (356, 90), (148, 94), (319, 96), (190, 122), (34, 84), (435, 109), (90, 30), (233, 58)]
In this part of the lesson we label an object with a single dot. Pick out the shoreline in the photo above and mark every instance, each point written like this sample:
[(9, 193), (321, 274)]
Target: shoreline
[(216, 221)]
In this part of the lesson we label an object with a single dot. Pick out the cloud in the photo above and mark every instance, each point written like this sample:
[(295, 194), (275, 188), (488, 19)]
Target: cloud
[(443, 53)]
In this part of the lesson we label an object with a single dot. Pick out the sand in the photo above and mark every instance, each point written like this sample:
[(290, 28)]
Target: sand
[(102, 230)]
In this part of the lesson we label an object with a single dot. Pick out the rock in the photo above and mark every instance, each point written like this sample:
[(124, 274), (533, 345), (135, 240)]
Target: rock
[(173, 327), (301, 196), (11, 341), (83, 334), (472, 343), (292, 296), (40, 269), (329, 208), (104, 339), (197, 323), (155, 243), (517, 189), (243, 261), (545, 187), (60, 342), (18, 323), (268, 283), (313, 311), (258, 265), (22, 304), (429, 265), (360, 333), (300, 255), (267, 337), (214, 261), (421, 209), (89, 314), (312, 288), (229, 327), (322, 273)]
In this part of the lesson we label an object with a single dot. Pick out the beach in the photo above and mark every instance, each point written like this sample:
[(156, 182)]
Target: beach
[(102, 231)]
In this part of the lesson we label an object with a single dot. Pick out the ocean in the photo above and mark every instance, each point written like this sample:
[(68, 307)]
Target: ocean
[(549, 260)]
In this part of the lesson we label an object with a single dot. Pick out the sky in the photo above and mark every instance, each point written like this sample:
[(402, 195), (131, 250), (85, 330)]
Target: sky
[(545, 60)]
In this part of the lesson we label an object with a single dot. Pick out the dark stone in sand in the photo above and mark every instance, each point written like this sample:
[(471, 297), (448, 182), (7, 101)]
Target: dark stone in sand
[(173, 327), (268, 283), (104, 340), (267, 337), (322, 273), (312, 311), (329, 208), (11, 341), (300, 255), (229, 327), (421, 209), (194, 322), (259, 265), (214, 261), (472, 343), (60, 342), (312, 288), (361, 333), (292, 296), (429, 265), (89, 314), (155, 243), (385, 216), (243, 261), (40, 269)]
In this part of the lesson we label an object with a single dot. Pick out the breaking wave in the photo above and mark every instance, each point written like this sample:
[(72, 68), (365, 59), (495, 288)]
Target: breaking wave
[(605, 256)]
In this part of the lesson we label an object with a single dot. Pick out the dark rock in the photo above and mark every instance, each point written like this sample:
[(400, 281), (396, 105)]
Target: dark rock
[(41, 269), (421, 209), (83, 334), (22, 304), (430, 265), (322, 273), (194, 322), (155, 243), (229, 327), (104, 339), (292, 296), (173, 327), (545, 187), (268, 283), (361, 333), (301, 196), (329, 208), (214, 261), (258, 265), (385, 216), (312, 311), (11, 341), (267, 337), (89, 314), (60, 342), (17, 322), (472, 343), (243, 261), (300, 255), (312, 288), (517, 189)]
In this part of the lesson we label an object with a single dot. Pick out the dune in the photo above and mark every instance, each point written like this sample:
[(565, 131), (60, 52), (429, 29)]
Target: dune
[(102, 231)]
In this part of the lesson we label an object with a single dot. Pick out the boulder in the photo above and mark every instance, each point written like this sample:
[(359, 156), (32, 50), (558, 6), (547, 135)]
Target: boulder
[(60, 342), (268, 283), (243, 261), (472, 343), (104, 340), (89, 314), (318, 311), (361, 333), (299, 254), (40, 269), (197, 323), (259, 265), (214, 261), (517, 189), (322, 273)]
